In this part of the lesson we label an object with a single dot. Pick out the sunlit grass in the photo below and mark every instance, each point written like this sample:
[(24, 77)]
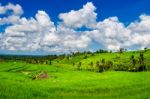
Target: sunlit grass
[(72, 84), (65, 82)]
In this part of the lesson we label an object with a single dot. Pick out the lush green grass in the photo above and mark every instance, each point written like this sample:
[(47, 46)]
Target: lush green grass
[(63, 83), (116, 58)]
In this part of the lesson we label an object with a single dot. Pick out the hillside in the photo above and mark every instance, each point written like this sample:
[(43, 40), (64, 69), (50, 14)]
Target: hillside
[(118, 59), (63, 79)]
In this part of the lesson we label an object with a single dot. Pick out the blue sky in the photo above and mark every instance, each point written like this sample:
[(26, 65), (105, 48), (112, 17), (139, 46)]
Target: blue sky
[(126, 11)]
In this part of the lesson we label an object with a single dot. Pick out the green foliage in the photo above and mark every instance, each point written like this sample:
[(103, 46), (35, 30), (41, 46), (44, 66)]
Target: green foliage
[(63, 83), (79, 66), (91, 66), (73, 64), (142, 66), (109, 65), (101, 51), (100, 67), (145, 49), (85, 57), (122, 50), (129, 61), (121, 78)]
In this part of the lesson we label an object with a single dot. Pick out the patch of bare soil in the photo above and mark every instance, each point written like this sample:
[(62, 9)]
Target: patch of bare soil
[(42, 75)]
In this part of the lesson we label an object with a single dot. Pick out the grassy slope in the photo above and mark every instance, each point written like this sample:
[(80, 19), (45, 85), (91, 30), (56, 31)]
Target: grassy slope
[(124, 58), (15, 81)]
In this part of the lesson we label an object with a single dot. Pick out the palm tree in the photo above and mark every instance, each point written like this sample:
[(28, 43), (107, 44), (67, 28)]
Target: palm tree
[(141, 61), (98, 66), (133, 61), (91, 64), (121, 50), (103, 64), (109, 64), (79, 65), (145, 49)]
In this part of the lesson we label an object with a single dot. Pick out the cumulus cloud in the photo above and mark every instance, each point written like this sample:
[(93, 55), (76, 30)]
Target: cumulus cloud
[(13, 12), (111, 34), (141, 31), (40, 33), (28, 33), (86, 16), (16, 9)]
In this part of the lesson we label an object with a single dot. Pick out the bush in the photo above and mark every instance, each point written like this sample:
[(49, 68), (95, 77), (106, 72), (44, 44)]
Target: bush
[(109, 65), (79, 66), (91, 66), (99, 67), (142, 68)]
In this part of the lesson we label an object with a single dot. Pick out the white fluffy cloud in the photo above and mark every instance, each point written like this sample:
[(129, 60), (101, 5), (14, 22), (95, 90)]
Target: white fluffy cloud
[(14, 12), (141, 31), (16, 9), (27, 34), (111, 34), (83, 17), (40, 33)]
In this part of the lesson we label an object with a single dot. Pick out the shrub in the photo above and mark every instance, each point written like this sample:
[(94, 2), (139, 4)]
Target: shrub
[(79, 65), (85, 57), (109, 64), (73, 64), (91, 66), (99, 66), (142, 66)]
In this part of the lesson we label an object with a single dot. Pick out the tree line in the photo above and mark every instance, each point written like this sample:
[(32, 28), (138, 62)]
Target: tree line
[(135, 64)]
